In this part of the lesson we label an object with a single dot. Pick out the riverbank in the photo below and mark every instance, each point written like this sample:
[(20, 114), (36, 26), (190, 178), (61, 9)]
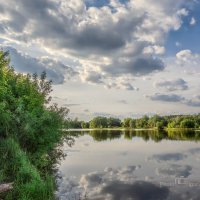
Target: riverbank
[(29, 134), (131, 129)]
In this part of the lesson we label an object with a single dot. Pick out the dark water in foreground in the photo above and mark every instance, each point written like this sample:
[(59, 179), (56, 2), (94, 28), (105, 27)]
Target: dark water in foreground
[(131, 165)]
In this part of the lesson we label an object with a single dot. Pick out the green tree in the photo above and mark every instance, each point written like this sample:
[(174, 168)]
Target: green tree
[(98, 122), (132, 123), (30, 129), (85, 124), (187, 123), (113, 122), (126, 122)]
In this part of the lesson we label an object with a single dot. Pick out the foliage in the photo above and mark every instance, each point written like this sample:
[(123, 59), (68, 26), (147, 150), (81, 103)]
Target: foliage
[(33, 127), (145, 122), (85, 124), (104, 122), (126, 122), (28, 182), (187, 123), (70, 123)]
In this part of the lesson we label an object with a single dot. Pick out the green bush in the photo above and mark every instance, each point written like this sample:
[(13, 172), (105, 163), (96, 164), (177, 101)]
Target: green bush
[(30, 130)]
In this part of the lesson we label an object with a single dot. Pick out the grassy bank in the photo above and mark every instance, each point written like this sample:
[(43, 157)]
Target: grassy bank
[(29, 182), (30, 130)]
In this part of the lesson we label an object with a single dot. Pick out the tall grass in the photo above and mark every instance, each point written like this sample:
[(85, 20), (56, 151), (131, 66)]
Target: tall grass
[(28, 182)]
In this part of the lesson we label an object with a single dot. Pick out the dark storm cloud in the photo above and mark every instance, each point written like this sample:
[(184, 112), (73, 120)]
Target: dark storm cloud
[(166, 97), (56, 71), (173, 85), (135, 66)]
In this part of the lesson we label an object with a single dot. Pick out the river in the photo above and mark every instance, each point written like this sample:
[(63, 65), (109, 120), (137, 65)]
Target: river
[(130, 165)]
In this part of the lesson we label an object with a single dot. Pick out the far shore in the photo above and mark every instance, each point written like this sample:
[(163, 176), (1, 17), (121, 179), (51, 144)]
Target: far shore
[(130, 129)]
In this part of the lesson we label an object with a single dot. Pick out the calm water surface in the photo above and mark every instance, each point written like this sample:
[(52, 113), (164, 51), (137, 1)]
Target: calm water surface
[(130, 165)]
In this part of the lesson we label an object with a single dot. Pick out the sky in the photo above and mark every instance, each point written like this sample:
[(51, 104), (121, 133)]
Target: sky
[(121, 58)]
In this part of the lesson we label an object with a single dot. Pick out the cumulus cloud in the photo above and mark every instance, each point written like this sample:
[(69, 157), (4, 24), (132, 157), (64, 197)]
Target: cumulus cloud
[(166, 97), (56, 71), (194, 101), (124, 33), (79, 27), (183, 12), (136, 66), (137, 190), (174, 98), (184, 55), (112, 184), (92, 77), (172, 85), (189, 61), (154, 50)]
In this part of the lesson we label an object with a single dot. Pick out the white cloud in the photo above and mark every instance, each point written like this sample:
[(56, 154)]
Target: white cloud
[(159, 50), (178, 44), (192, 21), (110, 184), (183, 12), (91, 77), (119, 32), (188, 60), (56, 71), (184, 55)]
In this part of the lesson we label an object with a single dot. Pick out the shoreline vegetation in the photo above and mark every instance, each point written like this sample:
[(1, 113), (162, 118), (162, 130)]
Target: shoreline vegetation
[(30, 134), (168, 122), (131, 129), (32, 131)]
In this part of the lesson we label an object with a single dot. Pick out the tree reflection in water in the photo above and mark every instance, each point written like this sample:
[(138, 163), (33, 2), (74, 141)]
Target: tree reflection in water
[(146, 135)]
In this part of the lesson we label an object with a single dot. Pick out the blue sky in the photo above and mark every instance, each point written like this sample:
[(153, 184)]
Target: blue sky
[(187, 35), (110, 57)]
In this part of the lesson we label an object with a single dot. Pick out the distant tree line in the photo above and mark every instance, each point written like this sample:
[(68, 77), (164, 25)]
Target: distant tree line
[(145, 122)]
